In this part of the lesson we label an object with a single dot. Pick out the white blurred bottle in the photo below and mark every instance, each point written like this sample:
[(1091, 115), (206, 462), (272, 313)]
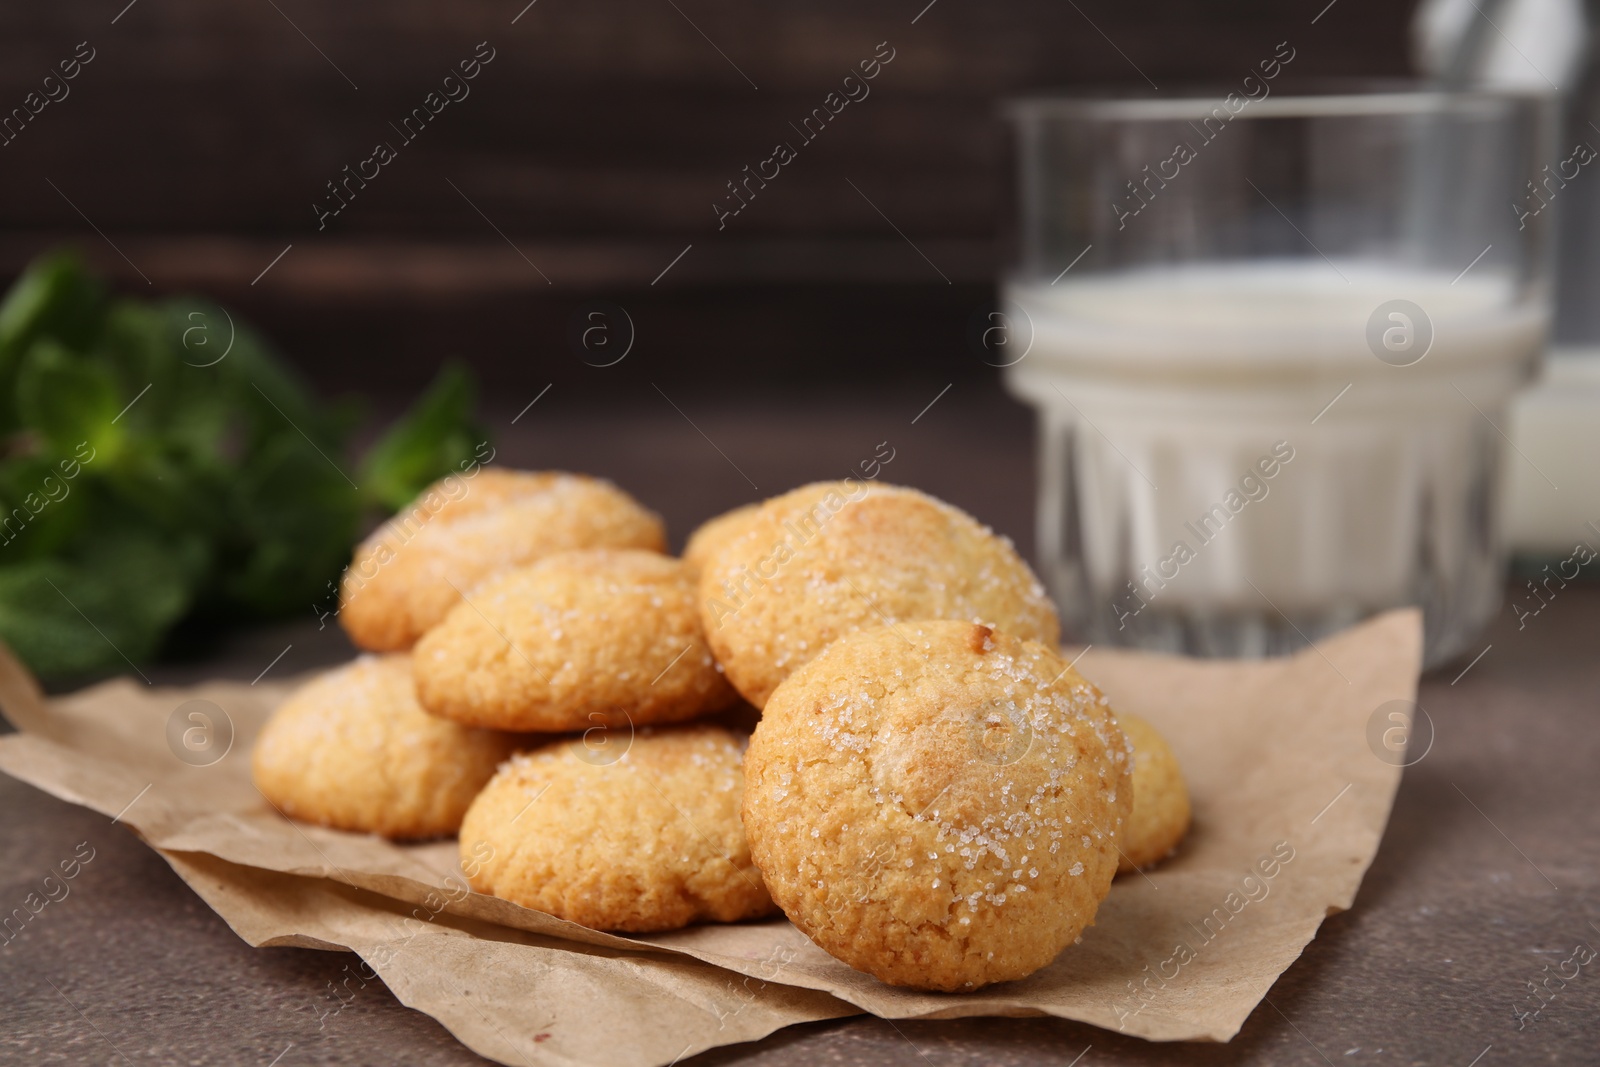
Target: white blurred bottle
[(1552, 495)]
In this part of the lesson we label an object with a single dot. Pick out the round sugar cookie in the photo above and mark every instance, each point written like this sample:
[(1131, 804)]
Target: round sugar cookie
[(353, 750), (1160, 797), (937, 803), (579, 639), (413, 569), (710, 536), (828, 559), (635, 831)]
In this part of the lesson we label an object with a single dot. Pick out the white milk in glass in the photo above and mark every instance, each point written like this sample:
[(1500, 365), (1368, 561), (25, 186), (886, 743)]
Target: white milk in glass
[(1228, 466)]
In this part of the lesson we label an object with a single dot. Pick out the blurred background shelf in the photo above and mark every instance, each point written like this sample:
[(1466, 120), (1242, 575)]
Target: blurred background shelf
[(596, 141)]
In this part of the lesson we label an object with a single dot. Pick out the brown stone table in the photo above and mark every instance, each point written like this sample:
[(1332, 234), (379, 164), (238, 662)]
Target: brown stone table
[(1488, 872)]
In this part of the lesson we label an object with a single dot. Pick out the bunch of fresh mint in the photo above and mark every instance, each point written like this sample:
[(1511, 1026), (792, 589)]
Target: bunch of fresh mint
[(159, 465)]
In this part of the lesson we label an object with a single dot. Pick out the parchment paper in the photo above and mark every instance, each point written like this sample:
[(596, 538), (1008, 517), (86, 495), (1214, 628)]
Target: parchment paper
[(1290, 802)]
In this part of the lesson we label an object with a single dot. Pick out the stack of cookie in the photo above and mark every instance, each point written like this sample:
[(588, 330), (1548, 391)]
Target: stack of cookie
[(932, 793)]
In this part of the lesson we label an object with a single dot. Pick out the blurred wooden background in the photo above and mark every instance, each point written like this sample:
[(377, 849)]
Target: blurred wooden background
[(596, 142)]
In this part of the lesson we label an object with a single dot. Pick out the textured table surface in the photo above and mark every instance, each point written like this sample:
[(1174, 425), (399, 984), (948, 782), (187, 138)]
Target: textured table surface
[(1485, 882)]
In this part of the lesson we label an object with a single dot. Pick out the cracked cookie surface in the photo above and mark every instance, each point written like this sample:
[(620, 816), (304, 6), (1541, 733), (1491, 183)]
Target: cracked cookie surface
[(832, 558), (353, 750), (710, 536), (633, 832), (459, 531), (937, 803), (595, 637)]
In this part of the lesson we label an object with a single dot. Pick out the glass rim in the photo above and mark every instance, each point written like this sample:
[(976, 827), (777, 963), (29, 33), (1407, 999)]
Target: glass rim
[(1346, 102)]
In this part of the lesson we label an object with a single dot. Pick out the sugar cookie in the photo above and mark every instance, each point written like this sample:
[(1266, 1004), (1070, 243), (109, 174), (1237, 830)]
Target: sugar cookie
[(459, 531), (831, 558), (351, 749), (638, 833), (596, 636), (937, 803), (1160, 797)]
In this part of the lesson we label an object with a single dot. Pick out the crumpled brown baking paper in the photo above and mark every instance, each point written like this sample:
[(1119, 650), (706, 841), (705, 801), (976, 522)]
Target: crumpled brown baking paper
[(1290, 801)]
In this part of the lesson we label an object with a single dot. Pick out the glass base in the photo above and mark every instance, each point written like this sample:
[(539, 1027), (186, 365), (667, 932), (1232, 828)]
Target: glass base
[(1255, 537)]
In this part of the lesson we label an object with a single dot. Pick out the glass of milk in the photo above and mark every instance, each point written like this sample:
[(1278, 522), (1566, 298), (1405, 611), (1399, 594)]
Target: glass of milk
[(1271, 341)]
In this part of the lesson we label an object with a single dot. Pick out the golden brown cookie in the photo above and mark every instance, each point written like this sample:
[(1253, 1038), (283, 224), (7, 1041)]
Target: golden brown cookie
[(461, 530), (937, 804), (598, 636), (835, 557), (631, 832), (1160, 797), (711, 535), (352, 749)]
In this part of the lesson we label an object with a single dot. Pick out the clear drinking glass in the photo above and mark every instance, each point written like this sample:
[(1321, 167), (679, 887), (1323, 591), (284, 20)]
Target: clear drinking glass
[(1271, 341)]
